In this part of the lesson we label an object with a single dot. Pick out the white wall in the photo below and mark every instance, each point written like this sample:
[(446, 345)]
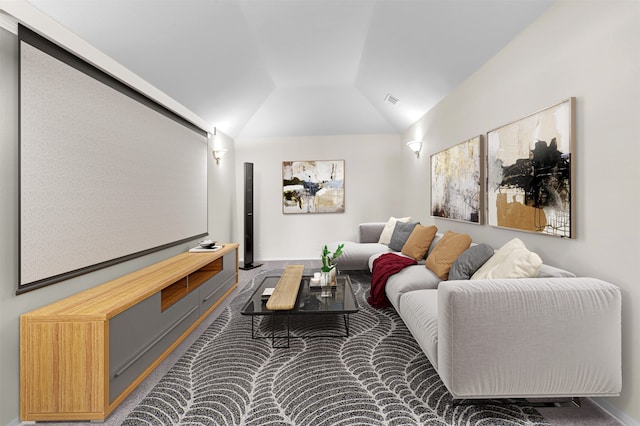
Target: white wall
[(221, 221), (374, 190), (590, 50), (222, 190)]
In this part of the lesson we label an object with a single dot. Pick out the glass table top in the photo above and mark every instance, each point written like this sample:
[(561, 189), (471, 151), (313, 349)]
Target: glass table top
[(309, 301)]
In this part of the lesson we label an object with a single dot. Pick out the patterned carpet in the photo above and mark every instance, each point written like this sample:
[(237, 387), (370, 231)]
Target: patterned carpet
[(377, 376)]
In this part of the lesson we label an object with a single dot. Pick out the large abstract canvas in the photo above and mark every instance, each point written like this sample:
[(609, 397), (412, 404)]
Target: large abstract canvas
[(313, 186), (456, 182), (530, 172)]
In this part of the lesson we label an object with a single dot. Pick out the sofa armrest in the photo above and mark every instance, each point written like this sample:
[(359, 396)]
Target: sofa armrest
[(369, 232), (529, 337)]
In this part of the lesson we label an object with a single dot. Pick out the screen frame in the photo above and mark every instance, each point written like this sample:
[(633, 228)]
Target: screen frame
[(50, 48)]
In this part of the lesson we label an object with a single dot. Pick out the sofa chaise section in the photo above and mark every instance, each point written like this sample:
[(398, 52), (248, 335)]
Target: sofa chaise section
[(552, 337), (355, 255)]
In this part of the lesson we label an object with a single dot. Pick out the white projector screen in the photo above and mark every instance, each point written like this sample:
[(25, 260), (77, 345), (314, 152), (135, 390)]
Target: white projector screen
[(104, 176)]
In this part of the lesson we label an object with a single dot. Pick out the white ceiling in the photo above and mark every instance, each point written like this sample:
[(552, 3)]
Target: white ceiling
[(265, 68)]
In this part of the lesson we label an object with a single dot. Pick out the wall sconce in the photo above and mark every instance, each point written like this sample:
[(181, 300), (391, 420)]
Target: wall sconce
[(218, 154), (415, 146)]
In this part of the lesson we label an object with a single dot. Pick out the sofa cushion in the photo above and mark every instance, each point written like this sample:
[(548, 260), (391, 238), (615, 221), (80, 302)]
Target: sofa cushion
[(385, 236), (415, 277), (448, 249), (419, 241), (420, 314), (548, 271), (401, 234), (470, 261), (435, 242), (369, 232), (512, 260)]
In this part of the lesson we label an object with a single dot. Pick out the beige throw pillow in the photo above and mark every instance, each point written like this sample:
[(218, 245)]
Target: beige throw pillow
[(450, 246), (512, 260), (387, 232), (419, 241)]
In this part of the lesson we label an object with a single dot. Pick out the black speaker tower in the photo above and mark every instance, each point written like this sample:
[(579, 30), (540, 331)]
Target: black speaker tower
[(248, 219)]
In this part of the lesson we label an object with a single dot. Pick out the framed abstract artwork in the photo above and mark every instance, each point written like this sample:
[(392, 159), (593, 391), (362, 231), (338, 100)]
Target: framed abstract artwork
[(313, 186), (456, 182), (530, 172)]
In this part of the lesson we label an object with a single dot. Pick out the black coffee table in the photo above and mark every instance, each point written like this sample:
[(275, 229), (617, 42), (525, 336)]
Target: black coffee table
[(309, 303)]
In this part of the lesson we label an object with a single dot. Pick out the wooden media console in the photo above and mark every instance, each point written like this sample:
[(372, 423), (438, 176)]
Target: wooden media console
[(81, 356)]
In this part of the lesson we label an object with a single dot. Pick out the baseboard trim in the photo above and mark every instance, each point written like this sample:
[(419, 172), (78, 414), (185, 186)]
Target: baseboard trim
[(615, 412), (287, 259)]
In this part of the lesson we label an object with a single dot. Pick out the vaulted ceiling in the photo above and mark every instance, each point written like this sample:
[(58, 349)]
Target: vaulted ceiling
[(264, 68)]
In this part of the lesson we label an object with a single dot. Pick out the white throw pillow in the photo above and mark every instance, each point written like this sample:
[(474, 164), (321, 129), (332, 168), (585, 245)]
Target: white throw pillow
[(512, 260), (385, 237)]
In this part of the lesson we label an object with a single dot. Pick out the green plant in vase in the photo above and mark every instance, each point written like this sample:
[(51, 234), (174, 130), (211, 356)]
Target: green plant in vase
[(329, 258), (328, 263)]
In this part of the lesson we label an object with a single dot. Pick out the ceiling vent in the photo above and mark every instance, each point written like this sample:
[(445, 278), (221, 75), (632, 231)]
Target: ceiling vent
[(391, 99)]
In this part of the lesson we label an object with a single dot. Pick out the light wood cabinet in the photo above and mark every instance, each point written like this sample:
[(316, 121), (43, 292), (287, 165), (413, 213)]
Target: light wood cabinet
[(81, 356)]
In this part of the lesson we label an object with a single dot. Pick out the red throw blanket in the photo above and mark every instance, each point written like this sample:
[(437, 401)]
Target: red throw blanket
[(383, 267)]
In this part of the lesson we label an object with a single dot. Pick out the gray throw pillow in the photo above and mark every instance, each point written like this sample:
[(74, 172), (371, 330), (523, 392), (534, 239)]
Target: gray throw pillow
[(400, 234), (470, 261)]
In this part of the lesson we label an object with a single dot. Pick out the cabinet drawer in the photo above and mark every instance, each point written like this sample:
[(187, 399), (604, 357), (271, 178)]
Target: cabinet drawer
[(213, 290), (139, 335)]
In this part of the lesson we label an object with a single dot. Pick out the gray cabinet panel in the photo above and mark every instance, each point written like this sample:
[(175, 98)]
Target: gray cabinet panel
[(212, 291), (229, 263), (139, 335)]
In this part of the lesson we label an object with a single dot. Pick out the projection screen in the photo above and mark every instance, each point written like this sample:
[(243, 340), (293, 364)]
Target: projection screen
[(106, 174)]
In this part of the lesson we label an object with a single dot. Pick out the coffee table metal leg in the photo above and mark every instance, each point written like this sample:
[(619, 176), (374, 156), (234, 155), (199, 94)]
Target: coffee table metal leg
[(253, 335), (346, 323), (288, 329), (255, 329), (273, 331)]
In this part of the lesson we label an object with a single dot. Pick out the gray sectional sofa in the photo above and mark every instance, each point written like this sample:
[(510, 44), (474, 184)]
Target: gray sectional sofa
[(555, 335)]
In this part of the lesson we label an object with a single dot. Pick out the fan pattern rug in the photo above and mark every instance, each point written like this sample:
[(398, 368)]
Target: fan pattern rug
[(376, 376)]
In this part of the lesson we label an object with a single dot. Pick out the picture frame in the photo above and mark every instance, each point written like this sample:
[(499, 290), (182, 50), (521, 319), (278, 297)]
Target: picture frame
[(315, 186), (457, 177), (531, 172)]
